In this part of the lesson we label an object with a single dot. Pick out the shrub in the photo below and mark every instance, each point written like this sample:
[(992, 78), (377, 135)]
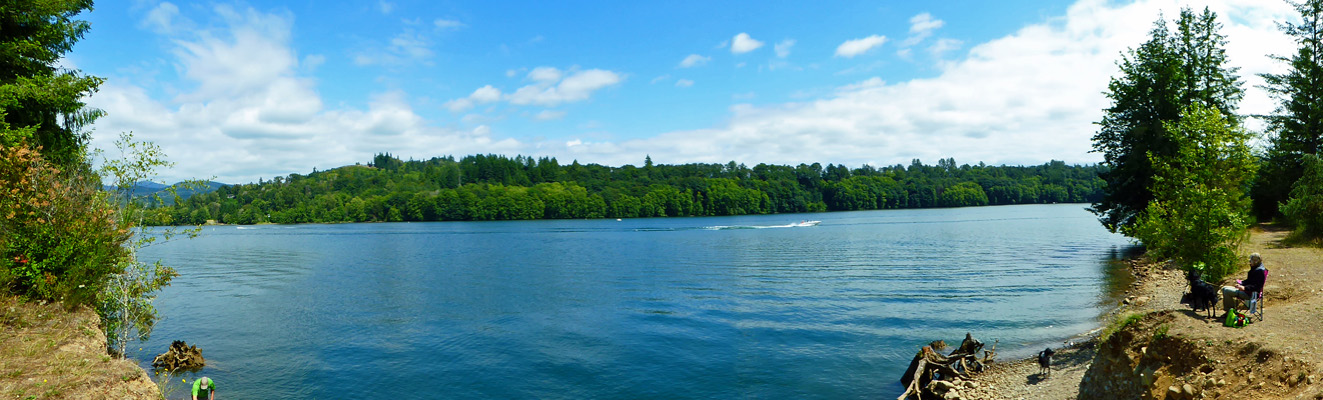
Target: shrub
[(60, 237), (1305, 207)]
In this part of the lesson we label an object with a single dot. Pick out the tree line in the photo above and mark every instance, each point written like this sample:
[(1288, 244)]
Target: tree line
[(496, 187)]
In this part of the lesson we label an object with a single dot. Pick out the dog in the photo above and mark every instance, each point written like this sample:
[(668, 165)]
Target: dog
[(1045, 361), (1202, 296)]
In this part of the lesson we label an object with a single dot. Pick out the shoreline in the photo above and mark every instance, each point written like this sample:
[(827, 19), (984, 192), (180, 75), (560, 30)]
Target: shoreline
[(1288, 330)]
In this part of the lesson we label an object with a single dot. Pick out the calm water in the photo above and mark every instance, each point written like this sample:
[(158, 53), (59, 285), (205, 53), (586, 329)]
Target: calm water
[(731, 307)]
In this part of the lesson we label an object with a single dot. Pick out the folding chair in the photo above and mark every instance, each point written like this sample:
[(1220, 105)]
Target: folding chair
[(1255, 303)]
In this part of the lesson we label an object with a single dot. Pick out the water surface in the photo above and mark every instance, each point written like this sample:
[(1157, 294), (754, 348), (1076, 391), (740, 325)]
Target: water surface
[(718, 307)]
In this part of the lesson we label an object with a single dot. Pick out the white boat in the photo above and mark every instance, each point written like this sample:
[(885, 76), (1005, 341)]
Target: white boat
[(807, 223)]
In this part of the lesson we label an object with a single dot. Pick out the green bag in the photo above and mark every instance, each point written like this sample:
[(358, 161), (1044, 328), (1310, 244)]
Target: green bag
[(1235, 319)]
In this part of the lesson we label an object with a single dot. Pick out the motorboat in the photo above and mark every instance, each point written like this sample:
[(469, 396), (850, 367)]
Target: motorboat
[(807, 223)]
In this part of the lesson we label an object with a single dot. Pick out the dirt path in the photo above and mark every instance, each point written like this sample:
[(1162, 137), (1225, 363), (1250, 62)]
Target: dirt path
[(1292, 326)]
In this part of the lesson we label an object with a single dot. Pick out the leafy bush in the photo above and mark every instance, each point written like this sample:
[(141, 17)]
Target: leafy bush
[(1200, 212), (1305, 208), (60, 237)]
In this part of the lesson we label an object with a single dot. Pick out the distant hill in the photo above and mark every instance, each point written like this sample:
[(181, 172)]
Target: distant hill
[(142, 190)]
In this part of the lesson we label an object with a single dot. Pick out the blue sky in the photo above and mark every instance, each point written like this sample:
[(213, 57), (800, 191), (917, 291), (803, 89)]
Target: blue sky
[(240, 90)]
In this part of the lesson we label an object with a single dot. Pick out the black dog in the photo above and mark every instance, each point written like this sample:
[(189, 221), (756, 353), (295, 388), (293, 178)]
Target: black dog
[(1202, 295), (1045, 361)]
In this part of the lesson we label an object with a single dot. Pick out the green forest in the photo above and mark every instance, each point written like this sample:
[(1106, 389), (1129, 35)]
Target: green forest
[(496, 187)]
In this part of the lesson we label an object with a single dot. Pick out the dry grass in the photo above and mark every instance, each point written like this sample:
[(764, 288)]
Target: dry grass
[(47, 352)]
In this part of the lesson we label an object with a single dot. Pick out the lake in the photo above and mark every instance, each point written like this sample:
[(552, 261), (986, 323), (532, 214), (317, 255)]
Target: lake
[(670, 308)]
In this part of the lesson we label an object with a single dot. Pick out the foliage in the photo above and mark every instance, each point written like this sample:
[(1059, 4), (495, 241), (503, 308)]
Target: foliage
[(41, 104), (1118, 324), (492, 187), (1305, 206), (1170, 71), (1199, 212), (59, 237), (1297, 122), (126, 305)]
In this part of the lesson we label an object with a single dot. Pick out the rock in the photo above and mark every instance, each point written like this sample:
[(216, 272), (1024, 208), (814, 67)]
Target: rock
[(971, 384), (1309, 380), (952, 395), (1187, 391), (1141, 300), (1221, 382), (1173, 392)]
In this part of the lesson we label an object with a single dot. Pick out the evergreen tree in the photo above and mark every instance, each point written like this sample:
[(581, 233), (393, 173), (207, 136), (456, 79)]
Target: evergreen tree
[(1297, 123), (40, 104), (1163, 76)]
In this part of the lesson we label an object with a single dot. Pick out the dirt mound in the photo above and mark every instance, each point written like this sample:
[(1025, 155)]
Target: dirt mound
[(1155, 357), (180, 357)]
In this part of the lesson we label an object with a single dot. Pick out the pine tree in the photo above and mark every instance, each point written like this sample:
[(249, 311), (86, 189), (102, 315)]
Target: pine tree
[(1296, 126), (1166, 74)]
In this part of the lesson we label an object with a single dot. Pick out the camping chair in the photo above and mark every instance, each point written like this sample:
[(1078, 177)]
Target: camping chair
[(1255, 303)]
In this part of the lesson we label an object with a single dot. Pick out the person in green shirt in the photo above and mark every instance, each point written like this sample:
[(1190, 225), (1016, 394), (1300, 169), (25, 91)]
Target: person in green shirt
[(204, 389)]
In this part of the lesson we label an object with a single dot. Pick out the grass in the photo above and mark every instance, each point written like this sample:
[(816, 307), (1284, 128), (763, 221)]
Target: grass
[(1118, 324), (47, 352)]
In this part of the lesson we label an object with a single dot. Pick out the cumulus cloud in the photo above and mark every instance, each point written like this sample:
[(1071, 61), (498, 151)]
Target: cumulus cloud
[(250, 113), (694, 60), (742, 43), (855, 47), (483, 95), (575, 87), (783, 48), (162, 18), (1026, 98), (684, 83)]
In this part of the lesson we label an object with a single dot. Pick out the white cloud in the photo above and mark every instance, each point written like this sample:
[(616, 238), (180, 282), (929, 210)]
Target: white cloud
[(921, 27), (548, 115), (483, 95), (660, 79), (855, 47), (742, 43), (162, 18), (443, 23), (684, 83), (545, 74), (944, 45), (694, 60), (575, 87), (385, 7), (250, 113), (1026, 98), (783, 48)]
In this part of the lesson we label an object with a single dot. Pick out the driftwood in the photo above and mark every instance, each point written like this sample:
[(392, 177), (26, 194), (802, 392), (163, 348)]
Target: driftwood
[(180, 357), (929, 374)]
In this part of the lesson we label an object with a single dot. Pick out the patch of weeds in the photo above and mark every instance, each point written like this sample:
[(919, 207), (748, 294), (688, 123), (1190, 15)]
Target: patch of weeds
[(14, 374), (1118, 324), (1161, 332)]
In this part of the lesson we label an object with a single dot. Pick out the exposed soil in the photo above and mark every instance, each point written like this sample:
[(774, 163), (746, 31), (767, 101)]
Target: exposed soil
[(1280, 357), (47, 352)]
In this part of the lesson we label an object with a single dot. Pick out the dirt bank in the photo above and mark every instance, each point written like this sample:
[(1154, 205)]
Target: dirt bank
[(47, 352), (1278, 358)]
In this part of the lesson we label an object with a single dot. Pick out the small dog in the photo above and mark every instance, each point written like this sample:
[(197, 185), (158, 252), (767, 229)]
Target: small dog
[(1045, 361), (1202, 295)]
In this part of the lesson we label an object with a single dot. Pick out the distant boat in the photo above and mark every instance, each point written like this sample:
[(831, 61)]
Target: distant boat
[(807, 223)]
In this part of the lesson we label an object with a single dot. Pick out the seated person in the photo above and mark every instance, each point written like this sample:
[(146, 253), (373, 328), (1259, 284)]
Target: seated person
[(1233, 295)]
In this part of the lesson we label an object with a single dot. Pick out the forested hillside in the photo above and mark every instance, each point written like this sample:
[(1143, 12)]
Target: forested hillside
[(493, 187)]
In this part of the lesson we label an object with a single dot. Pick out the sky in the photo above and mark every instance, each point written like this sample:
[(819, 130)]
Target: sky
[(237, 91)]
